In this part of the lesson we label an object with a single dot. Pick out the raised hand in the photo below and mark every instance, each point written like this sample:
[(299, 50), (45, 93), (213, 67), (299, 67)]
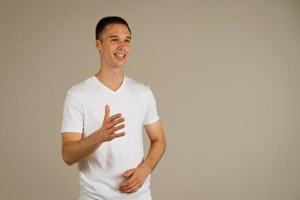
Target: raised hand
[(110, 125)]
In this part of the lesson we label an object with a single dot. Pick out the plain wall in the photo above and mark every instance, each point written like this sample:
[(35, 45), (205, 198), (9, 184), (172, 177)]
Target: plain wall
[(225, 74)]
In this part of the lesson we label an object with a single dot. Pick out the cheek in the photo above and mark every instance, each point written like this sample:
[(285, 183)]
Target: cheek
[(112, 48), (128, 48), (109, 50)]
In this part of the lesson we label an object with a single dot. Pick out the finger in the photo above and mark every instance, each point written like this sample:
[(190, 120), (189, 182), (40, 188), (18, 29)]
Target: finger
[(117, 135), (116, 128), (107, 112), (128, 173), (115, 122), (132, 189), (129, 184), (115, 116)]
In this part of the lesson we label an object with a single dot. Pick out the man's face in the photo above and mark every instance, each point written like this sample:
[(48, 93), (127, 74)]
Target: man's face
[(114, 45)]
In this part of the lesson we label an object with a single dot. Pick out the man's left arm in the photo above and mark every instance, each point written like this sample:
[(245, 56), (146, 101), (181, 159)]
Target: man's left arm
[(136, 177)]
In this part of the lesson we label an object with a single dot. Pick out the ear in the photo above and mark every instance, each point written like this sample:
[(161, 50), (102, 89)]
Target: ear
[(98, 44)]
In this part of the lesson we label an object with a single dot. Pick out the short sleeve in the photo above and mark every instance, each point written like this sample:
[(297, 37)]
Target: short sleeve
[(151, 115), (72, 115)]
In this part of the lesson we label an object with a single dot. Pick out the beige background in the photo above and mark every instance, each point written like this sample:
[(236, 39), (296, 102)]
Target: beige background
[(226, 76)]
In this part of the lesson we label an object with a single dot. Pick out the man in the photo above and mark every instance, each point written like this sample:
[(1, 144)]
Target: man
[(102, 124)]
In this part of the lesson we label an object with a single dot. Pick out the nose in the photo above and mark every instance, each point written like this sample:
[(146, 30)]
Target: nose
[(121, 44)]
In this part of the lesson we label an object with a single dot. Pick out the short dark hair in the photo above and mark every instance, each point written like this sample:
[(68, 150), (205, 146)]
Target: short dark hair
[(107, 21)]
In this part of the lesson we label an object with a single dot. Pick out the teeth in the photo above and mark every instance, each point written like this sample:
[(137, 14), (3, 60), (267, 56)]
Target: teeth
[(120, 54)]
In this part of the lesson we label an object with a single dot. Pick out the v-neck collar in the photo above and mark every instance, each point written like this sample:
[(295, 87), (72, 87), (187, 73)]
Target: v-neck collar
[(98, 82)]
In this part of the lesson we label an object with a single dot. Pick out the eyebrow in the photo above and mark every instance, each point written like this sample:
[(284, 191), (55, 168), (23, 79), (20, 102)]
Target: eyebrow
[(115, 36)]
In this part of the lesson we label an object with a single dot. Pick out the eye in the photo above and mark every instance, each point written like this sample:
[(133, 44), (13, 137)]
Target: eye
[(128, 41)]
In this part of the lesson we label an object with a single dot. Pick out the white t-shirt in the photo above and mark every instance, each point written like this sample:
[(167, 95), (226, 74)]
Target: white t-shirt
[(101, 173)]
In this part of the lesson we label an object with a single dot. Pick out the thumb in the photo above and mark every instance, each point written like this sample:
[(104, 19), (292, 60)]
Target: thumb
[(107, 112), (128, 173)]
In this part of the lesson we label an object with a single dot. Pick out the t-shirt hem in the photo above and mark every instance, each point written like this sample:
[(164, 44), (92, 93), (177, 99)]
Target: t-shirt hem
[(151, 121), (71, 130)]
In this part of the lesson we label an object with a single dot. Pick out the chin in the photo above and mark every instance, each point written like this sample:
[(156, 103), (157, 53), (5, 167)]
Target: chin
[(118, 66)]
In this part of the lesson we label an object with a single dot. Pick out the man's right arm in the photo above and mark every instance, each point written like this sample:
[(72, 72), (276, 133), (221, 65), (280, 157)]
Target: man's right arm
[(75, 148)]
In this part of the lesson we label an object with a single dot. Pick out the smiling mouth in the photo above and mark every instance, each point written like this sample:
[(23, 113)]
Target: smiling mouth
[(120, 55)]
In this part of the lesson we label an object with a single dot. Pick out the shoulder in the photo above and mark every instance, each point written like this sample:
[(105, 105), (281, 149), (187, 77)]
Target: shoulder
[(80, 89), (136, 85)]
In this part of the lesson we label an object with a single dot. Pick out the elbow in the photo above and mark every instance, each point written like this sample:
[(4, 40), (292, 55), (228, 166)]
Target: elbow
[(164, 144), (68, 162), (67, 158), (160, 142)]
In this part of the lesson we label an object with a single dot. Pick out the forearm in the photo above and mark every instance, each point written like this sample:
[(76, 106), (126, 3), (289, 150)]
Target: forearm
[(156, 150), (78, 150)]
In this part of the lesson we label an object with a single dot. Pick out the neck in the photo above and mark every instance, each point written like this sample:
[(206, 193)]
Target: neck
[(111, 77)]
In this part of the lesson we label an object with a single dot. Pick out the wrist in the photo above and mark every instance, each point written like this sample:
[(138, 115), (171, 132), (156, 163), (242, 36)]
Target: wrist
[(97, 137), (146, 167)]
